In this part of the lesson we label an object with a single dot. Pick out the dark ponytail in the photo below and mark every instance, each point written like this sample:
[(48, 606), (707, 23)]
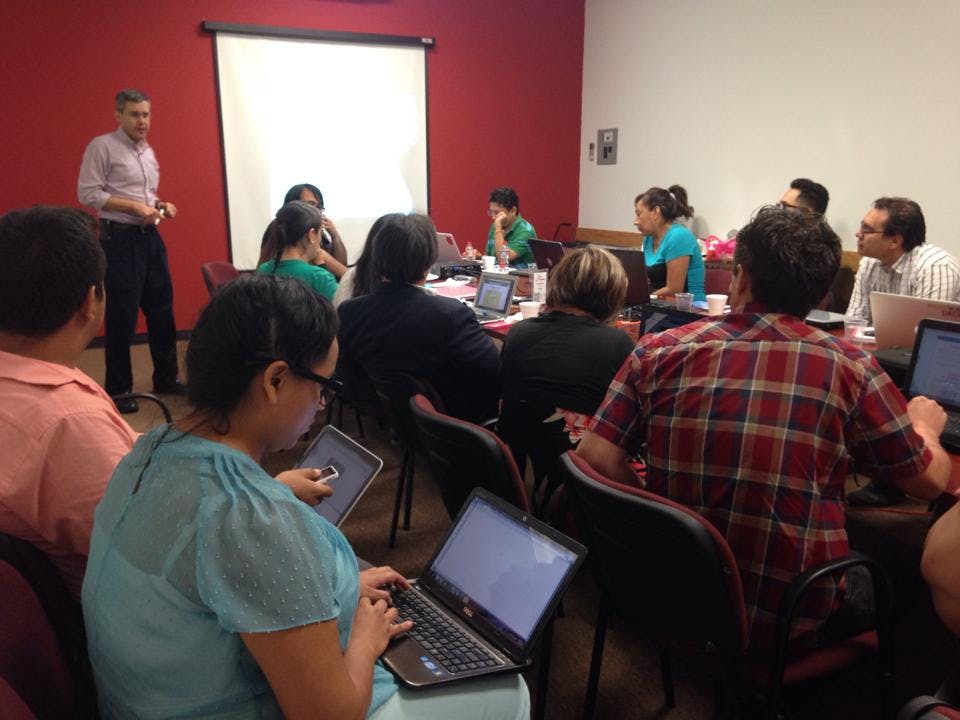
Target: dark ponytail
[(293, 221), (365, 279), (672, 202)]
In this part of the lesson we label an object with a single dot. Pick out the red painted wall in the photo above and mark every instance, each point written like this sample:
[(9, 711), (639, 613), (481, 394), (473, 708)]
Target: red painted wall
[(504, 83)]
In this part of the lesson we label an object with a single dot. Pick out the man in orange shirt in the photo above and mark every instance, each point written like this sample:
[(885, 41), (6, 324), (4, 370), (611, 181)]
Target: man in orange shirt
[(60, 434)]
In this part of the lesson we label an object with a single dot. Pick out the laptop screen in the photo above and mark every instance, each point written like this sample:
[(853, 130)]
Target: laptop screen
[(356, 466), (501, 569), (495, 294), (638, 285), (936, 369)]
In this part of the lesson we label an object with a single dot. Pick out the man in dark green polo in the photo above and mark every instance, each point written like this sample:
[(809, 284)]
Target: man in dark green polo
[(509, 228)]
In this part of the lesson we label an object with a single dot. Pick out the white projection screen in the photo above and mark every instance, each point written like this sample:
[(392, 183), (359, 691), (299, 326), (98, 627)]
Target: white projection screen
[(348, 117)]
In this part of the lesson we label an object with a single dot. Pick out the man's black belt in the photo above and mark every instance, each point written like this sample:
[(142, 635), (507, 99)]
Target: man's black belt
[(108, 225)]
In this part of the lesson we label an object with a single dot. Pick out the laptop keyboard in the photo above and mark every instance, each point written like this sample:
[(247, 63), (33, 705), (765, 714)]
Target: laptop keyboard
[(952, 428), (456, 651)]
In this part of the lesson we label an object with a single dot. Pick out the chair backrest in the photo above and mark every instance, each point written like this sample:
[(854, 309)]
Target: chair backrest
[(394, 390), (463, 456), (717, 280), (522, 427), (217, 273), (31, 660), (659, 563)]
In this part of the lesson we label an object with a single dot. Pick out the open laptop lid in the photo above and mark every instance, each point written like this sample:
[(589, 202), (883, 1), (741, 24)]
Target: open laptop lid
[(638, 284), (662, 315), (502, 571), (935, 365), (896, 317), (357, 467), (447, 248), (546, 253), (495, 293)]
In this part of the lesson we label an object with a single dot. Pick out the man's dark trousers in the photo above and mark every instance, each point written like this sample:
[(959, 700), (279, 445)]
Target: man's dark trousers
[(138, 277)]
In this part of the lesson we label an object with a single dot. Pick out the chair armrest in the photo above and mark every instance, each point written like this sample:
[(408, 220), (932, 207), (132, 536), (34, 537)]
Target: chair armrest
[(802, 583), (490, 423)]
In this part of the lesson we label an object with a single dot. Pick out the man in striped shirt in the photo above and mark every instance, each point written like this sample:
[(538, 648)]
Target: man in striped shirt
[(896, 258), (752, 420)]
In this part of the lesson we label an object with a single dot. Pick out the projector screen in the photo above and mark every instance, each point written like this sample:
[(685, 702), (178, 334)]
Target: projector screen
[(348, 117)]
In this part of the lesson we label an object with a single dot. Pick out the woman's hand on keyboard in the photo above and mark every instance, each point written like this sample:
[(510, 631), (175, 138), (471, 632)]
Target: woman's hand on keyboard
[(374, 625), (374, 580)]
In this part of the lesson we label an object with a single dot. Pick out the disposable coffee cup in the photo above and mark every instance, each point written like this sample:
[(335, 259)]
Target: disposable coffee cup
[(529, 309), (684, 301), (716, 302), (489, 261)]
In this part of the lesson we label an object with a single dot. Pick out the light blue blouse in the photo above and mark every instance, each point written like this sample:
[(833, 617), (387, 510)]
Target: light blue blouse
[(193, 543), (677, 242)]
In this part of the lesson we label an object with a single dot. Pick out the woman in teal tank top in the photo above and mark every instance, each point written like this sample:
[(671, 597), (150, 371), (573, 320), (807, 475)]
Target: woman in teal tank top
[(672, 253), (211, 590)]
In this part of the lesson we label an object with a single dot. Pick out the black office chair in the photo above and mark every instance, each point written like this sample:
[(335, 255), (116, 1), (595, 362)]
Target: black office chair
[(522, 427), (394, 391), (683, 589), (463, 456)]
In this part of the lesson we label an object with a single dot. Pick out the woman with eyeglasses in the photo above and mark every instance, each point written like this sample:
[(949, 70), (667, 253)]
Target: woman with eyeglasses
[(295, 239), (211, 590)]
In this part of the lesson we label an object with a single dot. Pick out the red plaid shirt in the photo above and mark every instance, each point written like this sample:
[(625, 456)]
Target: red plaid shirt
[(751, 421)]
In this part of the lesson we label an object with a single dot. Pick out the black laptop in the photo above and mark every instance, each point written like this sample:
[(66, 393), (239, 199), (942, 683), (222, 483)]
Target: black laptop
[(546, 253), (638, 285), (485, 597), (660, 315), (935, 373), (352, 468)]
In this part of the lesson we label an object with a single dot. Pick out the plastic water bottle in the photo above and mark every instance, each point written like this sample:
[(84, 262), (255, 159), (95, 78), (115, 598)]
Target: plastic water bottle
[(469, 252), (504, 257)]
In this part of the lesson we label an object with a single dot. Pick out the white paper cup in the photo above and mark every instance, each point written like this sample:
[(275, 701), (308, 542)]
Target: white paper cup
[(716, 302), (684, 301), (488, 262), (529, 309)]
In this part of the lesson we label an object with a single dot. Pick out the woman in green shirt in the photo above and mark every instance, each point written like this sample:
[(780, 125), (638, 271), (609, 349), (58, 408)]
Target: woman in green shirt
[(295, 235)]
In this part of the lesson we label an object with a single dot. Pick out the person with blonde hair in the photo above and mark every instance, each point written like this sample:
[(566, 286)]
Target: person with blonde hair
[(556, 367)]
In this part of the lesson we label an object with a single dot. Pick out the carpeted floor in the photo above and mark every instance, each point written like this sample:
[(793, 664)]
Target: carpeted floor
[(630, 684)]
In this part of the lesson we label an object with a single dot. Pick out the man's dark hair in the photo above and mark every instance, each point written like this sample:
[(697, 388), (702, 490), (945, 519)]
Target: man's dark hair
[(49, 259), (130, 95), (791, 257), (405, 249), (812, 194), (249, 323), (505, 197), (672, 202), (904, 217), (294, 193)]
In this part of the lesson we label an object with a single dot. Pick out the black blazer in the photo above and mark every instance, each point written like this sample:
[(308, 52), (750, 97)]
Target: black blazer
[(402, 328)]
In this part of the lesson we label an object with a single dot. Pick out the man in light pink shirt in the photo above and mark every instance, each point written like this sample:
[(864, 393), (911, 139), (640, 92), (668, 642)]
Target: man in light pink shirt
[(119, 178), (60, 435)]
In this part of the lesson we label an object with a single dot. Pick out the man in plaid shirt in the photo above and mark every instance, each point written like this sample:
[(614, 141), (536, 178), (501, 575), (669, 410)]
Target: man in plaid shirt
[(752, 419)]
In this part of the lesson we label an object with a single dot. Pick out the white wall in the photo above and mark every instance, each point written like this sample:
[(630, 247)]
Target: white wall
[(734, 98)]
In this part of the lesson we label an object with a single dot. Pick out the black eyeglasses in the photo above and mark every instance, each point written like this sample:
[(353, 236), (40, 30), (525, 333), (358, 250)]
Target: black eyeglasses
[(867, 230), (331, 386)]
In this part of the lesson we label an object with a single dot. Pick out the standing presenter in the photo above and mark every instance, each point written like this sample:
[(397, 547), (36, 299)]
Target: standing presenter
[(119, 177)]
